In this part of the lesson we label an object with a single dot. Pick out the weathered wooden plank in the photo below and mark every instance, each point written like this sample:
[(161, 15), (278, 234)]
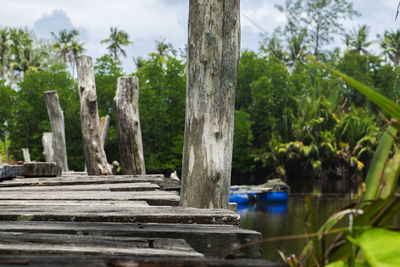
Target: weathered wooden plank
[(152, 197), (151, 214), (129, 261), (11, 171), (104, 203), (164, 183), (32, 243), (210, 240), (86, 187), (41, 169)]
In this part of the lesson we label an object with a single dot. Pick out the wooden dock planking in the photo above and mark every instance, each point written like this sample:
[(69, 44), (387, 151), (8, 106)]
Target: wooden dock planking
[(151, 214), (128, 261), (160, 198), (117, 187), (164, 183), (88, 206), (105, 203), (15, 243), (210, 240)]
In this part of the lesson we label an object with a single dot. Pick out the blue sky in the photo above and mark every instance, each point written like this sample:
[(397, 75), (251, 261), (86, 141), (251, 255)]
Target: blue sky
[(147, 21)]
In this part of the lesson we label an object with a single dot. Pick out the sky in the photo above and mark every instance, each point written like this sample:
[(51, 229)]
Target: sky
[(148, 21)]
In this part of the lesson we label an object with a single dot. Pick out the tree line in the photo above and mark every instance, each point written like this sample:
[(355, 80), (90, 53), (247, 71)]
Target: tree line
[(292, 119)]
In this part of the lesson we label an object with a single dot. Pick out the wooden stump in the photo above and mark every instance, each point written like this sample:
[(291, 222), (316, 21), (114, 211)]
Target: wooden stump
[(25, 153), (95, 156), (56, 116), (213, 55), (128, 125), (47, 141)]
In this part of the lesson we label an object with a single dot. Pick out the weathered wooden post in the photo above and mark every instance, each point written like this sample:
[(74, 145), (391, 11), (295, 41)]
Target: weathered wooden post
[(47, 141), (213, 54), (128, 125), (56, 117), (25, 153), (95, 157)]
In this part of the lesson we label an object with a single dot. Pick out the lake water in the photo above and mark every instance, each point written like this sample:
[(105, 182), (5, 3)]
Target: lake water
[(288, 219)]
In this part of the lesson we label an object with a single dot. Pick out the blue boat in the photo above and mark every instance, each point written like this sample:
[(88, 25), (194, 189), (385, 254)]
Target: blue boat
[(239, 198), (274, 191)]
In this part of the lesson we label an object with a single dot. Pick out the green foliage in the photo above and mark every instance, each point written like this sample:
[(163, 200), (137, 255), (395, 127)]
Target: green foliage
[(29, 117), (319, 19), (366, 241), (162, 111), (242, 138), (7, 99)]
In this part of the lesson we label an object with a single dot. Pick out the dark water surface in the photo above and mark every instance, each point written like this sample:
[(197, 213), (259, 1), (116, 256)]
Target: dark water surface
[(279, 220), (288, 219)]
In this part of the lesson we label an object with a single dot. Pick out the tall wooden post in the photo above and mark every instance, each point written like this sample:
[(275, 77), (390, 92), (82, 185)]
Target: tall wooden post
[(128, 126), (47, 141), (213, 55), (56, 117), (95, 157)]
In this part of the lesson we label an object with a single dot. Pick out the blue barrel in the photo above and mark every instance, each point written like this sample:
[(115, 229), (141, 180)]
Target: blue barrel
[(239, 198), (277, 196)]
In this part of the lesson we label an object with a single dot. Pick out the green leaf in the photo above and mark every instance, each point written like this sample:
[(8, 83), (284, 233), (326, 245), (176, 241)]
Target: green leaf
[(338, 264), (375, 172), (380, 247), (387, 105)]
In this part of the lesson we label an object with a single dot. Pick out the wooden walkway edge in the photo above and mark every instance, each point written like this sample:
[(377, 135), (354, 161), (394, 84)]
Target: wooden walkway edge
[(115, 219)]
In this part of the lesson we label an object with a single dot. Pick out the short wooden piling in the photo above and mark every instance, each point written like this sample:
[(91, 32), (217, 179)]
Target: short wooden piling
[(47, 141), (56, 117), (25, 153), (128, 125), (95, 156)]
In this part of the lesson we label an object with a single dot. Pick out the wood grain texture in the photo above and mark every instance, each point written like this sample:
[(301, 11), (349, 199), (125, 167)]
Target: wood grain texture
[(56, 116), (213, 56), (95, 156), (128, 126)]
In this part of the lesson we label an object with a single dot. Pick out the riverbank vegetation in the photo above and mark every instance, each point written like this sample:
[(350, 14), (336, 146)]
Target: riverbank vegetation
[(292, 120)]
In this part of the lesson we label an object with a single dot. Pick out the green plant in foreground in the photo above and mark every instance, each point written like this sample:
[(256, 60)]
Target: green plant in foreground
[(367, 241)]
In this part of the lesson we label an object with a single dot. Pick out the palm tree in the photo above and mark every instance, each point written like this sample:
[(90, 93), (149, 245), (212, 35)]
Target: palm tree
[(4, 46), (296, 47), (357, 41), (116, 40), (66, 42), (391, 45), (21, 51)]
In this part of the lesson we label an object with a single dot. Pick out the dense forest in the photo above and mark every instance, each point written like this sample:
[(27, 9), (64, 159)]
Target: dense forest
[(292, 120)]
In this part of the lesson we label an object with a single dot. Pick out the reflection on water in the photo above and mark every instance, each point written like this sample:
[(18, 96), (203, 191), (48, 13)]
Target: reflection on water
[(284, 219)]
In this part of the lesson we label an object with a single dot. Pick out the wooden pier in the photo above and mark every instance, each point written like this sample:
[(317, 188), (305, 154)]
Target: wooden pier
[(116, 221)]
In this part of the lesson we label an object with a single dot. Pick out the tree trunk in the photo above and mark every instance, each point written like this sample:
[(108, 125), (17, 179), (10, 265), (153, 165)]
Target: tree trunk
[(47, 141), (213, 55), (128, 126), (104, 123), (95, 157), (56, 116), (25, 153)]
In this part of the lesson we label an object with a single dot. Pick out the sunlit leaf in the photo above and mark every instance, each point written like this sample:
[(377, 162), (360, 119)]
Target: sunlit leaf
[(380, 247)]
